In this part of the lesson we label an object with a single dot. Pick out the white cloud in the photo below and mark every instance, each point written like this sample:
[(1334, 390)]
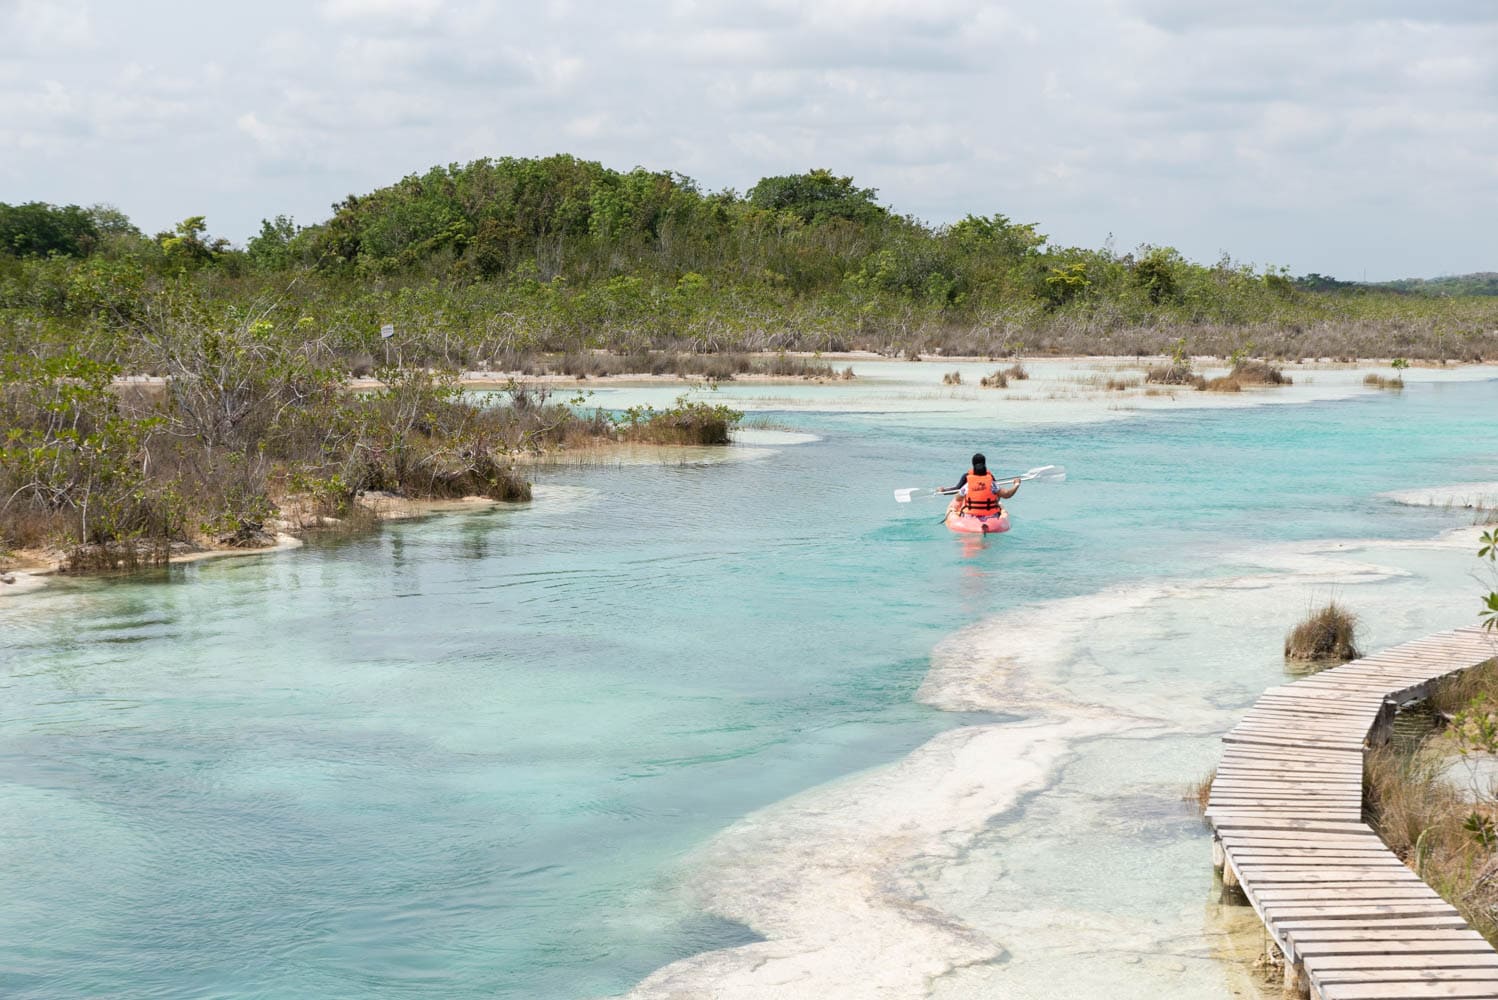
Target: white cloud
[(1268, 129), (367, 12), (52, 23)]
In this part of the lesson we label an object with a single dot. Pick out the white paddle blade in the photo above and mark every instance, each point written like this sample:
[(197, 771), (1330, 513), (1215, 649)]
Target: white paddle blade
[(903, 496), (1053, 473)]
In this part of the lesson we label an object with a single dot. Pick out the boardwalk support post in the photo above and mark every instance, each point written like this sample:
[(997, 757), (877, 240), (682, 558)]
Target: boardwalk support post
[(1297, 983)]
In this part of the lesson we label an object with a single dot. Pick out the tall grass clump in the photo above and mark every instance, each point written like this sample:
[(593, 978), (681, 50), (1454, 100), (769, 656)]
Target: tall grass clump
[(1327, 635), (998, 380)]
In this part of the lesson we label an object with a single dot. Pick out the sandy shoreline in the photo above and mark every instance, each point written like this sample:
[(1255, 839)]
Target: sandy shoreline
[(43, 568), (486, 379)]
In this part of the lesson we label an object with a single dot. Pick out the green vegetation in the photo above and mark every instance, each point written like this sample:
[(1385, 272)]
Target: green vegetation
[(684, 423), (108, 474), (516, 263), (1488, 549)]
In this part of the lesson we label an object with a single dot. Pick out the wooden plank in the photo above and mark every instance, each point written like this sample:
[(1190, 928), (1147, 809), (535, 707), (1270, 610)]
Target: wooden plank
[(1342, 894), (1401, 975), (1267, 875), (1400, 946), (1302, 936), (1390, 924), (1305, 838), (1307, 785), (1241, 822), (1316, 741), (1456, 960), (1277, 912), (1295, 856), (1290, 792), (1307, 714), (1410, 990)]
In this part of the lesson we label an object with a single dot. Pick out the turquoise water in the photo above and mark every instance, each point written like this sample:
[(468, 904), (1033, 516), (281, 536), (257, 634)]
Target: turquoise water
[(473, 755)]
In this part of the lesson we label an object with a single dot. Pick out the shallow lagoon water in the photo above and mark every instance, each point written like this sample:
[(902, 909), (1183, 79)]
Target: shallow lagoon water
[(545, 751)]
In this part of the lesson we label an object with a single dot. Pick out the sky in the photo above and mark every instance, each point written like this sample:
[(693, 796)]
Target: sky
[(1355, 138)]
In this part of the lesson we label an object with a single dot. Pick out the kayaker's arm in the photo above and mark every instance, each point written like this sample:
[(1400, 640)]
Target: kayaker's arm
[(949, 490), (1005, 494)]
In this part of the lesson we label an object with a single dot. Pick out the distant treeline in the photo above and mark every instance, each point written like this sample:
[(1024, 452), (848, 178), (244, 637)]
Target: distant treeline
[(502, 259), (1483, 283)]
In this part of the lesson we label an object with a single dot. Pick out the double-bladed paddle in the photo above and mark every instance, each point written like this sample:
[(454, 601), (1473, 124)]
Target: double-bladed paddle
[(1051, 473)]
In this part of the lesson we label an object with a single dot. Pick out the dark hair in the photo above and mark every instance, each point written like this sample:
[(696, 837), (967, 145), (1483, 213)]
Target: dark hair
[(980, 464)]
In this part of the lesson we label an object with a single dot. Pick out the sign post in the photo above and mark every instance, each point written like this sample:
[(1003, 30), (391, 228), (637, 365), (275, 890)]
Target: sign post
[(386, 332)]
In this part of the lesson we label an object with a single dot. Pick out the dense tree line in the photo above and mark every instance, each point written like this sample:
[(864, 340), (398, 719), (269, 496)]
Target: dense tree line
[(497, 260)]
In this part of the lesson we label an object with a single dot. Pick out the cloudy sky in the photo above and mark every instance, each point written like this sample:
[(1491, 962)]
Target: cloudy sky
[(1349, 137)]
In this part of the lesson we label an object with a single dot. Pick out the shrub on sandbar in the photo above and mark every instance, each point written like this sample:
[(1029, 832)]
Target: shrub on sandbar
[(684, 423), (1327, 634), (998, 380)]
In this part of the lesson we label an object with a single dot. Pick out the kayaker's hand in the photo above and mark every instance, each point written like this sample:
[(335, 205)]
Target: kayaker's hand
[(1016, 482)]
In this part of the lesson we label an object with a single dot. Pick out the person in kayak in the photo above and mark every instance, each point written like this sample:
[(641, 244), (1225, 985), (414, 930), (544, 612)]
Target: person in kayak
[(979, 492)]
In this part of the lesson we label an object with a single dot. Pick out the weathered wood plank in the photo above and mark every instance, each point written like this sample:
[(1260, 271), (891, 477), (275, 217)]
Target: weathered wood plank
[(1410, 990), (1455, 960)]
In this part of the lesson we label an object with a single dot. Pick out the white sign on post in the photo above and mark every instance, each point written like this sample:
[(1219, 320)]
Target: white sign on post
[(387, 331)]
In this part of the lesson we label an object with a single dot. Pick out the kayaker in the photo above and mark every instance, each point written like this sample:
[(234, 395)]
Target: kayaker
[(980, 494)]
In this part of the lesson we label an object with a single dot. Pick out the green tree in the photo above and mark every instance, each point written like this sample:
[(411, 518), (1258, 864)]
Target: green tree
[(271, 248), (817, 196), (1155, 272), (187, 247), (37, 229)]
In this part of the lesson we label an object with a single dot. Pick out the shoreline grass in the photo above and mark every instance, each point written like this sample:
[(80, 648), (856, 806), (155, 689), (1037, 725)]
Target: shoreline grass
[(1447, 834)]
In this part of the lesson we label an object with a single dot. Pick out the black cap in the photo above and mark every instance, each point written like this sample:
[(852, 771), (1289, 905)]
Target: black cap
[(979, 462)]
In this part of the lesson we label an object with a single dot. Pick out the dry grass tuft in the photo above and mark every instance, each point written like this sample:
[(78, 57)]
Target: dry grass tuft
[(1431, 825), (1259, 373), (1455, 693), (1173, 374), (998, 380), (1200, 792), (1381, 382), (1226, 383), (1327, 635), (1017, 372), (1120, 384), (952, 378)]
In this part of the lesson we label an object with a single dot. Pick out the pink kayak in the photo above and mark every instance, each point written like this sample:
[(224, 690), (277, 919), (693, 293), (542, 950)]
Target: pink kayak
[(972, 524)]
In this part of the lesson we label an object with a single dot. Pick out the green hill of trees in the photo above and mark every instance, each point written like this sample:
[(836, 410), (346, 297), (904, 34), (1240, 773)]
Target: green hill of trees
[(495, 260)]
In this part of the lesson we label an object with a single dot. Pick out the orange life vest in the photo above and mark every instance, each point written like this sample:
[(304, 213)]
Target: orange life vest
[(982, 500)]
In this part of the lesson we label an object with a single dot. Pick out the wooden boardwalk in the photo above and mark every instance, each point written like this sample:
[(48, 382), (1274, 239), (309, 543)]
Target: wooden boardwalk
[(1286, 809)]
